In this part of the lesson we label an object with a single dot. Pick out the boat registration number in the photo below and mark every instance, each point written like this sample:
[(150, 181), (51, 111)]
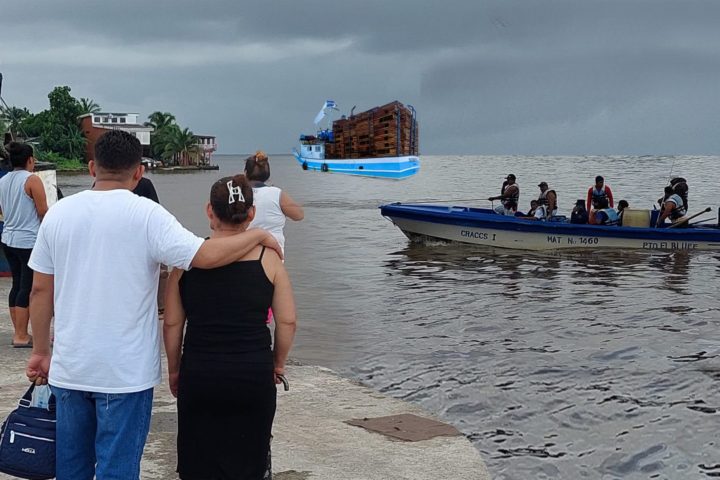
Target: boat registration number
[(554, 239)]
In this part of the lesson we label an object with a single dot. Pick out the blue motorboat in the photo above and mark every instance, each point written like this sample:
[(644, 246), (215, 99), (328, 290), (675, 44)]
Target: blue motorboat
[(485, 227)]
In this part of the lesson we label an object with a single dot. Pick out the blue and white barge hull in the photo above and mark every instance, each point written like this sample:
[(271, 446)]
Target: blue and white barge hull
[(384, 167)]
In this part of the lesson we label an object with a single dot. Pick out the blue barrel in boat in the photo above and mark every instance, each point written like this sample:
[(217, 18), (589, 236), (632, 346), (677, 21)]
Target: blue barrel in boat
[(654, 215)]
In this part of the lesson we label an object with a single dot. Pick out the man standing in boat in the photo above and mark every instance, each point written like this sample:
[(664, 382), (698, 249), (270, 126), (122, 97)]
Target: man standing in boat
[(509, 197), (597, 192)]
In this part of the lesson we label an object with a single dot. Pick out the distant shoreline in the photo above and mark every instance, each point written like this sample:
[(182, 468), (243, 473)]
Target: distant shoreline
[(174, 169)]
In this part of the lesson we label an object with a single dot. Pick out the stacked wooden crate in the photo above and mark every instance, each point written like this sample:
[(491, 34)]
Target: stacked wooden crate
[(387, 131)]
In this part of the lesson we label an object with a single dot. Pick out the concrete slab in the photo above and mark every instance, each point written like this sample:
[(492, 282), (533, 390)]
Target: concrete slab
[(311, 439)]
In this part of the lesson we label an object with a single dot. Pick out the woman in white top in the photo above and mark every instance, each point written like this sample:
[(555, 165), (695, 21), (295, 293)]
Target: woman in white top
[(23, 204), (272, 205)]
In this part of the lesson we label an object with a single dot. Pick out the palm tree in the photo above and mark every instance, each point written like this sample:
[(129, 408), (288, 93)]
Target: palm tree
[(76, 142), (88, 105), (160, 120), (13, 117), (181, 145), (162, 123)]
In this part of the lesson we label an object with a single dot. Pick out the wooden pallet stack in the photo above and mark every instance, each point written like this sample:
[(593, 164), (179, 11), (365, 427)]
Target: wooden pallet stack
[(387, 131)]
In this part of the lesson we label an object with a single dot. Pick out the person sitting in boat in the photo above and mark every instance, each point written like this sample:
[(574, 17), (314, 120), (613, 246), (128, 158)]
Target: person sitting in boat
[(680, 186), (604, 215), (661, 201), (509, 196), (579, 214), (674, 209), (533, 209), (540, 213), (548, 200), (596, 193), (622, 205)]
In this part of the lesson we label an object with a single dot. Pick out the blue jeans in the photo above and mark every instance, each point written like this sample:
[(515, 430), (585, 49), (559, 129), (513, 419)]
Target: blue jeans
[(101, 435)]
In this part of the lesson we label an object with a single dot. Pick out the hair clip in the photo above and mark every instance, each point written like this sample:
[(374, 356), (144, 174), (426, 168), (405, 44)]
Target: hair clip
[(234, 191)]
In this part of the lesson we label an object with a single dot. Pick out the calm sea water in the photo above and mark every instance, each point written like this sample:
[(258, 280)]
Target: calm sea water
[(597, 365)]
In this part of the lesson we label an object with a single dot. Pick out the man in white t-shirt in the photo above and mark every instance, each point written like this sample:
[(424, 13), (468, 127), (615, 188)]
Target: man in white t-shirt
[(96, 260)]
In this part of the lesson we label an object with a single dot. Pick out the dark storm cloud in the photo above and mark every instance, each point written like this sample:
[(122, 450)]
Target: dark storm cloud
[(502, 76)]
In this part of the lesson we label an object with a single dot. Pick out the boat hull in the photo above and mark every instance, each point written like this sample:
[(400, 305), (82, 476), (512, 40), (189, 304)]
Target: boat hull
[(482, 227), (385, 167)]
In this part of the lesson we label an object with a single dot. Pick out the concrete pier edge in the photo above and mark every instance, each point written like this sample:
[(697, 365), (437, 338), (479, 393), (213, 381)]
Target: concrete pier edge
[(311, 439)]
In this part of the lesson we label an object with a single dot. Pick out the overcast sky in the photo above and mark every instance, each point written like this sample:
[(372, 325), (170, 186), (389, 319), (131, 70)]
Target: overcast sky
[(487, 77)]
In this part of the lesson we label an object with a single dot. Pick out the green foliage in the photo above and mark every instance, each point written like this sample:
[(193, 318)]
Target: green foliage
[(33, 125), (88, 105), (164, 125), (180, 146), (61, 132), (160, 120), (62, 142), (11, 118), (61, 163)]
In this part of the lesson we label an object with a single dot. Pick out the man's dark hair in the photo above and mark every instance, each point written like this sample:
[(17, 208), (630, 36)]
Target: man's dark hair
[(117, 151), (20, 154), (677, 180), (599, 179)]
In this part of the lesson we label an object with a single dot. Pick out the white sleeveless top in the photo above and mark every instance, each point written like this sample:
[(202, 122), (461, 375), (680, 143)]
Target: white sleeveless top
[(21, 218), (268, 214)]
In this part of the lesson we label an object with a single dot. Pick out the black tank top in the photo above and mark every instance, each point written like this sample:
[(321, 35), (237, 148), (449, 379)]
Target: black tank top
[(227, 311)]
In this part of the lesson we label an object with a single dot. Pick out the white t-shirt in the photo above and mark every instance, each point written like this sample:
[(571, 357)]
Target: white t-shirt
[(105, 249), (268, 213), (541, 212)]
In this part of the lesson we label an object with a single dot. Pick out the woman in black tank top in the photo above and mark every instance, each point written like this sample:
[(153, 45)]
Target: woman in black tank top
[(225, 378)]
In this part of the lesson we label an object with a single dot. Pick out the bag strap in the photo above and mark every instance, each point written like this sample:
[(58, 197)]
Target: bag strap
[(27, 398)]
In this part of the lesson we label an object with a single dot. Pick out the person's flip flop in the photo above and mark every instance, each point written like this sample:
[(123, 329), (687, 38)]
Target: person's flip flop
[(29, 344)]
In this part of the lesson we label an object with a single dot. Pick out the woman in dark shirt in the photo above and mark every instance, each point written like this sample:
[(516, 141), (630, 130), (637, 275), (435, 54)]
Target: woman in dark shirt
[(225, 378)]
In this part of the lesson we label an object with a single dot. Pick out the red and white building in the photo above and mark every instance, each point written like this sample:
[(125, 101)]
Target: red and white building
[(93, 125), (207, 145)]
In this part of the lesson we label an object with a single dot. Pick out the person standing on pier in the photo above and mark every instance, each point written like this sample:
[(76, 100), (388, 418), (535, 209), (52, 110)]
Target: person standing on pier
[(272, 205), (24, 204), (227, 355), (96, 261)]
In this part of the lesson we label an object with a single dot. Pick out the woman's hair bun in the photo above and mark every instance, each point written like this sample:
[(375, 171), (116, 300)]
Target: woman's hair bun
[(232, 206), (261, 156), (257, 167)]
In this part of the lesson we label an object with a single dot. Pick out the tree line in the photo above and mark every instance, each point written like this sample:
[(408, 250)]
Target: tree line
[(58, 137)]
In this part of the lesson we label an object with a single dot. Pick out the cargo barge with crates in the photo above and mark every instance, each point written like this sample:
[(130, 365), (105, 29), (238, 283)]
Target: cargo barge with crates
[(380, 142)]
